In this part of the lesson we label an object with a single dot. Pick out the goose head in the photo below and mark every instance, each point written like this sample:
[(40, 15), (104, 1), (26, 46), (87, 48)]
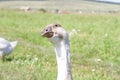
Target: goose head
[(55, 33)]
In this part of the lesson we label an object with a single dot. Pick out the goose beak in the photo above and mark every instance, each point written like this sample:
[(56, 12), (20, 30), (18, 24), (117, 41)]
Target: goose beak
[(47, 32)]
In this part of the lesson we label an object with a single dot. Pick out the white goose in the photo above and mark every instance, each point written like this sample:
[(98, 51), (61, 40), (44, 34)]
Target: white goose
[(60, 40), (6, 47)]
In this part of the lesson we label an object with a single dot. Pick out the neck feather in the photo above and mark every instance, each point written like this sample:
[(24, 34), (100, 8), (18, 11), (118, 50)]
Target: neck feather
[(63, 60)]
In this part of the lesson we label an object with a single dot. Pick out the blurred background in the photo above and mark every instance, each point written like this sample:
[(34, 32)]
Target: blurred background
[(63, 6)]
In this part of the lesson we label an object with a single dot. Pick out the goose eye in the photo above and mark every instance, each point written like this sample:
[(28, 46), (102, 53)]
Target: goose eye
[(56, 25)]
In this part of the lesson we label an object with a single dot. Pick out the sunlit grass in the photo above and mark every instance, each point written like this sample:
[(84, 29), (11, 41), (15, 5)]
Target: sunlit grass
[(94, 49)]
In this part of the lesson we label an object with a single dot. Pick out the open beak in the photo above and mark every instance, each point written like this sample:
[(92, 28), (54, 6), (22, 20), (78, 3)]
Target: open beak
[(47, 32)]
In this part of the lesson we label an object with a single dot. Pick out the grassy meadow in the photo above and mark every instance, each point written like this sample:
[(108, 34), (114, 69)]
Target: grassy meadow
[(95, 45)]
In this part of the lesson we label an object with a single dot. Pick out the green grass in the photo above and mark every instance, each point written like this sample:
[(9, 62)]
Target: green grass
[(34, 57)]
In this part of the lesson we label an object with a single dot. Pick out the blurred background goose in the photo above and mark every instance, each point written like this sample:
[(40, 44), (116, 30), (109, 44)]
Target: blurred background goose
[(6, 47)]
